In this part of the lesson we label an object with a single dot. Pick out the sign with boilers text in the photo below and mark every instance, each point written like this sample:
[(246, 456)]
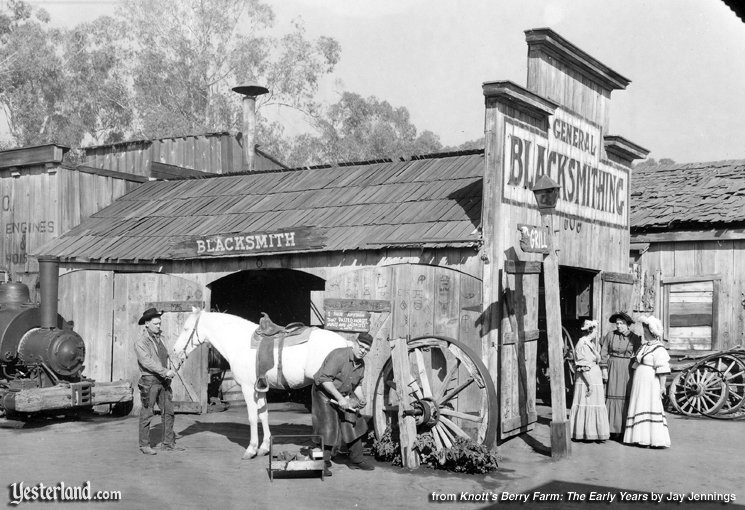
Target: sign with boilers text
[(591, 189)]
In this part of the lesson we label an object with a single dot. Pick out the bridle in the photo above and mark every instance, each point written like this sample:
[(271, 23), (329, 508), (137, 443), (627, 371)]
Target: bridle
[(191, 341)]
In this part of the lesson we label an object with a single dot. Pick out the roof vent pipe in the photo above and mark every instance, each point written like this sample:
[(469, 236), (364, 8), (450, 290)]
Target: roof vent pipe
[(250, 92)]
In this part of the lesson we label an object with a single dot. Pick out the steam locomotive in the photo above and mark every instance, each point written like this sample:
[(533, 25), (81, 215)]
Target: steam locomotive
[(41, 357)]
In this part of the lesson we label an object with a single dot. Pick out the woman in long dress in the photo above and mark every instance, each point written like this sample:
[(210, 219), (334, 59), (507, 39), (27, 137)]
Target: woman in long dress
[(617, 350), (589, 418), (646, 424)]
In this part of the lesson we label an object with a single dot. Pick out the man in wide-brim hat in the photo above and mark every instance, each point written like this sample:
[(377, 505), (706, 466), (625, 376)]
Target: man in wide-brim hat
[(617, 350), (155, 382)]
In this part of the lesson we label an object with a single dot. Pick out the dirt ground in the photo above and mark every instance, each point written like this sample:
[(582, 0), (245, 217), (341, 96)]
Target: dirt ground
[(707, 458)]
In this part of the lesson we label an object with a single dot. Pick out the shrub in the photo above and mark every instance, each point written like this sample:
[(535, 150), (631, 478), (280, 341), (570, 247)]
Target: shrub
[(465, 456)]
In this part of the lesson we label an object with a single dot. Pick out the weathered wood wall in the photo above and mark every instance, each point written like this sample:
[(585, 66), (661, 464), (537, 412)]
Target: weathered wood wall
[(718, 266), (38, 203), (215, 153)]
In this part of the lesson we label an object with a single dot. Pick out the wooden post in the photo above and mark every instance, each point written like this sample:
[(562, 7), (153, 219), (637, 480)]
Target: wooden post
[(406, 424), (560, 440)]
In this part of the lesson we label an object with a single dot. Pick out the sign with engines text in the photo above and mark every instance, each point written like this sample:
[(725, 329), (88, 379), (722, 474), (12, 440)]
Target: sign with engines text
[(591, 189), (250, 243)]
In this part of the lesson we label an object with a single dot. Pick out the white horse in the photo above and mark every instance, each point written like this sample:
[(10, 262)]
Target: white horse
[(231, 336)]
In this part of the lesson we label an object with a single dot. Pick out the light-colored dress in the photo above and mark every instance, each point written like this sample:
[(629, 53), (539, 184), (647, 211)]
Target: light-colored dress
[(616, 355), (588, 419), (646, 423)]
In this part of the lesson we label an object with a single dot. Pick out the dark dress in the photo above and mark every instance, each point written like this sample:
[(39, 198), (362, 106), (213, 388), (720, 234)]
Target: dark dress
[(616, 354)]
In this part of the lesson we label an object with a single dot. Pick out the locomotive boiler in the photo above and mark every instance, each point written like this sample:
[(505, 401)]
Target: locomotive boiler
[(42, 358)]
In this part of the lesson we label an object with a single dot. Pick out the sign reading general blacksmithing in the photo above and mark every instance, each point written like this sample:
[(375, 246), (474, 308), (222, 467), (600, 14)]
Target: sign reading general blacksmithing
[(249, 243), (342, 320), (591, 188)]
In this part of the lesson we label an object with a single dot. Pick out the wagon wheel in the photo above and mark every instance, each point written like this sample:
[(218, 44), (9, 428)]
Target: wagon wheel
[(732, 370), (698, 390), (452, 393), (570, 372)]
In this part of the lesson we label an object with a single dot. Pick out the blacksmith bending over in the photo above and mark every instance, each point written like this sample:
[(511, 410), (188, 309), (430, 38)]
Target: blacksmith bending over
[(155, 382), (337, 399)]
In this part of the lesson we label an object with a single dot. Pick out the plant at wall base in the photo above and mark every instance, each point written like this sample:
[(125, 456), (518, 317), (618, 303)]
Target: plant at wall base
[(464, 456)]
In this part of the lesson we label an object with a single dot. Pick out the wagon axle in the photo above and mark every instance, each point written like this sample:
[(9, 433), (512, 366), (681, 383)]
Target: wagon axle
[(425, 411)]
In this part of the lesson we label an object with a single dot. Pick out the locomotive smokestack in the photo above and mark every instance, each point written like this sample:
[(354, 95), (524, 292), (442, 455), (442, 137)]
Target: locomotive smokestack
[(49, 281), (249, 91)]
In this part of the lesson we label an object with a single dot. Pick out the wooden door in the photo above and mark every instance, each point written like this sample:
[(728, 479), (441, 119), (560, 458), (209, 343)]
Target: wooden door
[(618, 291), (133, 294), (518, 348), (87, 299), (425, 300)]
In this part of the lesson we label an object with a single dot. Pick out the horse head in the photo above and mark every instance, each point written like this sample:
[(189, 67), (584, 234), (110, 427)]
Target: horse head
[(190, 338)]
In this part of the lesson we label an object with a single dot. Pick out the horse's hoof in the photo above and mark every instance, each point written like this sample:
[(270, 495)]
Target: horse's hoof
[(262, 451), (248, 456)]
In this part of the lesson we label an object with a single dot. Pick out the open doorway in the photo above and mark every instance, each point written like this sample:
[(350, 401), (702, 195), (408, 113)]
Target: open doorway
[(283, 294), (576, 300)]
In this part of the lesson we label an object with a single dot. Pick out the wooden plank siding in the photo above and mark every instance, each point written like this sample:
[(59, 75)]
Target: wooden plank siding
[(699, 279), (39, 203)]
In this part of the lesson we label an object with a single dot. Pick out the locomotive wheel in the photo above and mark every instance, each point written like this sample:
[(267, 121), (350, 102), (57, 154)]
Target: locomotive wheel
[(732, 370), (698, 390), (451, 388)]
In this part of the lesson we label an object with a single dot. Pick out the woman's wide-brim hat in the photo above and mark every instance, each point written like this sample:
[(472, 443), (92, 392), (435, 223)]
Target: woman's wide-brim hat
[(621, 315), (149, 314), (589, 324)]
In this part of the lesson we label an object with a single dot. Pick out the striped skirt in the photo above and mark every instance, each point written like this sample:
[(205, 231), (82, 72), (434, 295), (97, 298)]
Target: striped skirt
[(646, 424)]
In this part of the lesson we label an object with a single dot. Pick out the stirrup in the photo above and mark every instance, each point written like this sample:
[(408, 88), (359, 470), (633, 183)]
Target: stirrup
[(261, 385)]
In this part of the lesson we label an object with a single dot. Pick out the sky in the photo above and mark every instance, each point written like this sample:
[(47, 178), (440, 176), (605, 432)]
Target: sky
[(686, 100)]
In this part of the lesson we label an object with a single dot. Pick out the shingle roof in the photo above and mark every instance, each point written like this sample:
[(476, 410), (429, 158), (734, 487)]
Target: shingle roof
[(427, 201), (693, 195)]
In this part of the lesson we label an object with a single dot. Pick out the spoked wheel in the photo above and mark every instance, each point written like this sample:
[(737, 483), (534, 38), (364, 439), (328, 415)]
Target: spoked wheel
[(732, 371), (570, 372), (698, 390), (452, 393)]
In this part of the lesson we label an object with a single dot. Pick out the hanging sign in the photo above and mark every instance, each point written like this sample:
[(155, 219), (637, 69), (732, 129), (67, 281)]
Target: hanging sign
[(533, 239), (249, 243)]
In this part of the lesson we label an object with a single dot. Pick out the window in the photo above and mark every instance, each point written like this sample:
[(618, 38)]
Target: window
[(691, 311)]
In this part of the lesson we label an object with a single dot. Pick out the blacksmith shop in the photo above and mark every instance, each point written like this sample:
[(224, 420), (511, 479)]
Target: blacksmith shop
[(451, 249)]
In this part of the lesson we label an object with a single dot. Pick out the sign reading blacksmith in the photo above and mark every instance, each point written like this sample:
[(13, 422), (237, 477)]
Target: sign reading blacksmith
[(591, 189), (249, 243)]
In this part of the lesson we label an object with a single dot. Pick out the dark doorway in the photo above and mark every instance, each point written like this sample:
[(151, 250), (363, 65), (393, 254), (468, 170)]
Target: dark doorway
[(283, 294), (575, 295)]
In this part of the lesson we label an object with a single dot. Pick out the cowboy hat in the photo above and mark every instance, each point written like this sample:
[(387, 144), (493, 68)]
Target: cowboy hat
[(621, 315), (149, 314)]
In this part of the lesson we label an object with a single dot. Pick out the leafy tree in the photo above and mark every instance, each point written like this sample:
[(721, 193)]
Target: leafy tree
[(59, 86), (187, 56), (356, 129)]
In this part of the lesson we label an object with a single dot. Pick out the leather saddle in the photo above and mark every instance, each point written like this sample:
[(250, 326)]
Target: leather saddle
[(268, 336)]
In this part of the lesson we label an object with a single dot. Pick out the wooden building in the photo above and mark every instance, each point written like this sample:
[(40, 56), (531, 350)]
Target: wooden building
[(688, 252), (42, 198), (177, 157), (451, 242)]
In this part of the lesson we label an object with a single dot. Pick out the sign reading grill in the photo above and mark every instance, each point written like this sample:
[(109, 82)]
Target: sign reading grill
[(247, 243)]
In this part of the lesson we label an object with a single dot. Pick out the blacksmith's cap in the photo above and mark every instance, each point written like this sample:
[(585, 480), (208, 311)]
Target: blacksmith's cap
[(623, 316), (149, 314), (365, 338)]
